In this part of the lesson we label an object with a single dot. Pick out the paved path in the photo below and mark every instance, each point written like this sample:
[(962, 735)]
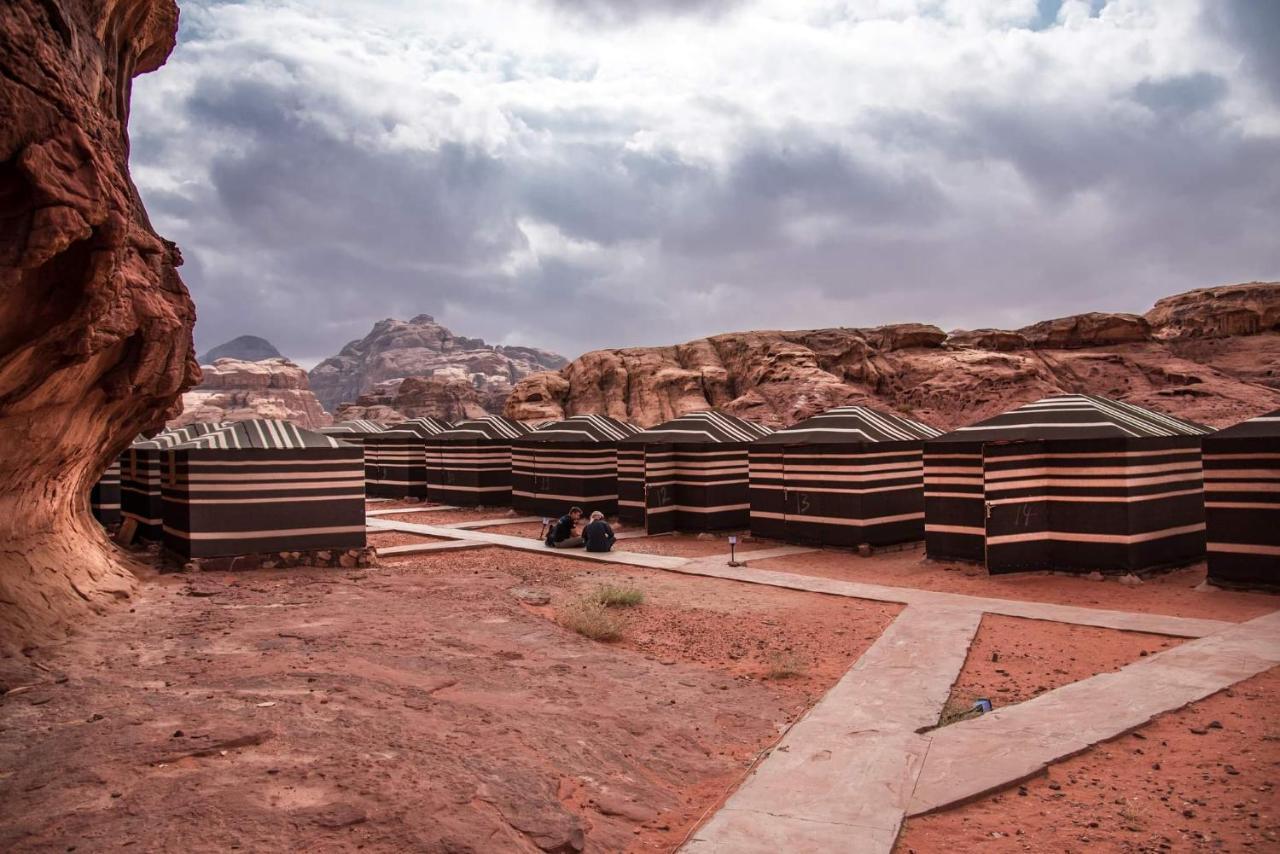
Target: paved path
[(394, 511), (842, 777), (845, 776), (493, 523)]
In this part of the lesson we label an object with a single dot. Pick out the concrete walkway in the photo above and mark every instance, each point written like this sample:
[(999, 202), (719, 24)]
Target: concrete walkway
[(394, 511), (842, 777)]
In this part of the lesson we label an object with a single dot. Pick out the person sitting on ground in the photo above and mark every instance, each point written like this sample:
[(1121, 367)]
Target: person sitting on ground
[(598, 536), (562, 534)]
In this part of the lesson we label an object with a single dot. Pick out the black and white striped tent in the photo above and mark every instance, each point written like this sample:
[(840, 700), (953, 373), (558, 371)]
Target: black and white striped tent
[(140, 479), (1073, 482), (354, 431), (687, 474), (569, 462), (104, 497), (848, 476), (259, 486), (395, 461), (1242, 502), (470, 464)]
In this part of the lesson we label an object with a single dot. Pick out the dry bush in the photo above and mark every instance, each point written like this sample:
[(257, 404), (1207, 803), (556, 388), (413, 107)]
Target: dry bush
[(590, 619), (784, 665), (616, 596)]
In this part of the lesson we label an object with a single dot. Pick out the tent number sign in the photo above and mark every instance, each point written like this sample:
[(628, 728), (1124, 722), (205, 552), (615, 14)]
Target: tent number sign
[(733, 543)]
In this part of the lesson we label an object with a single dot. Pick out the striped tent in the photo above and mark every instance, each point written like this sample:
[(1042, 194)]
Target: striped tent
[(258, 486), (568, 462), (395, 462), (353, 432), (140, 482), (687, 474), (470, 465), (848, 476), (104, 497), (1242, 502), (1073, 482)]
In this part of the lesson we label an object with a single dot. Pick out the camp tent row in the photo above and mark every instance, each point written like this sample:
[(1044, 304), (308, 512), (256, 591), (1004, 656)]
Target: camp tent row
[(687, 474), (1242, 501), (574, 461), (395, 461), (141, 476), (470, 464), (353, 432)]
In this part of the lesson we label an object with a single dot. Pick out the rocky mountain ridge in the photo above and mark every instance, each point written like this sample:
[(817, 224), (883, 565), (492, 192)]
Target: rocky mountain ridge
[(421, 348), (246, 348), (1211, 355), (239, 390)]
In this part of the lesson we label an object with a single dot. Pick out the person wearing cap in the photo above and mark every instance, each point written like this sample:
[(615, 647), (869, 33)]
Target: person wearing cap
[(562, 534), (598, 536)]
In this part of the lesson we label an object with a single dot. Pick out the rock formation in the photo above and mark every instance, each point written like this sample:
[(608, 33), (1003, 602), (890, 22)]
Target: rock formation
[(420, 347), (448, 399), (246, 348), (235, 390), (1211, 355), (95, 323)]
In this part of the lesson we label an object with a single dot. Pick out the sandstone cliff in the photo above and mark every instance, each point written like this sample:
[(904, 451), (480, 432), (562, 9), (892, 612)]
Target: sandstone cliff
[(447, 399), (1210, 355), (235, 390), (420, 347), (246, 348), (95, 324)]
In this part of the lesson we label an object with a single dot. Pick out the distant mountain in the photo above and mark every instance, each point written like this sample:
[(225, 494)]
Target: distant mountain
[(237, 390), (247, 348), (400, 349)]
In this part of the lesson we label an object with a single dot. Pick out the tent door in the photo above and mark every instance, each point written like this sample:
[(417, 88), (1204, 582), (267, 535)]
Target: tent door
[(659, 489), (1017, 516)]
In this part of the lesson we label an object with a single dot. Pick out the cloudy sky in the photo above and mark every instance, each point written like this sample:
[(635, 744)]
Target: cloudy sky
[(574, 174)]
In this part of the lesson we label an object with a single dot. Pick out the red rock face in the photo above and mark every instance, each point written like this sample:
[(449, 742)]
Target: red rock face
[(236, 390), (417, 397), (1209, 355), (95, 324)]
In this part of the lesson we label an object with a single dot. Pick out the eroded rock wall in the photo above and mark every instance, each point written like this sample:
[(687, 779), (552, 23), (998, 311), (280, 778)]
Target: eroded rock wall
[(1210, 355), (238, 390), (95, 323)]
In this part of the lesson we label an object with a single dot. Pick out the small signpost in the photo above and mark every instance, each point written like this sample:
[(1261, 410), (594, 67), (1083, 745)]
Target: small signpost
[(733, 542)]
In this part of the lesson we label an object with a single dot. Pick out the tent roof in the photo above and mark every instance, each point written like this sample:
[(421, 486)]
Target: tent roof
[(1075, 416), (176, 436), (356, 425), (488, 427), (708, 426), (847, 424), (583, 428), (264, 433), (424, 427), (1262, 427)]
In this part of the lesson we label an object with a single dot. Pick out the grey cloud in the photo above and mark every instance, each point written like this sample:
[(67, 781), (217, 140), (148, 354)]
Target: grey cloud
[(1186, 94), (1253, 27), (616, 12)]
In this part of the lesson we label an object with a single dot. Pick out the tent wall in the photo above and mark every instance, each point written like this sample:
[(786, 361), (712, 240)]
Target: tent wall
[(547, 478), (468, 473), (104, 498), (140, 491), (222, 503), (631, 484), (1242, 509), (1077, 505), (838, 494), (395, 465)]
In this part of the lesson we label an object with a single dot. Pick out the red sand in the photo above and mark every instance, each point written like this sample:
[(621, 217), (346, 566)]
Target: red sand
[(1161, 788), (421, 708), (1012, 660)]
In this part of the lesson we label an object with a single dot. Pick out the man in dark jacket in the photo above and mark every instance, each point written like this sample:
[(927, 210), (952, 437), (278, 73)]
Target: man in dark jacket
[(598, 536), (561, 535)]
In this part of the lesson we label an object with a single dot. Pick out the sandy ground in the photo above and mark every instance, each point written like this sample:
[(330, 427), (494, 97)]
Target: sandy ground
[(382, 539), (1177, 784), (1172, 593), (420, 706), (1012, 660)]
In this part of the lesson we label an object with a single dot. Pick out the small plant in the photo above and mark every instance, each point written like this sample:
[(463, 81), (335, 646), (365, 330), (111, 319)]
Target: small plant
[(616, 596), (590, 619), (784, 665)]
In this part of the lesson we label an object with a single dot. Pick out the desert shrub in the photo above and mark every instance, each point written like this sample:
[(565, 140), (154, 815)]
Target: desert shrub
[(590, 619), (617, 596), (784, 665)]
